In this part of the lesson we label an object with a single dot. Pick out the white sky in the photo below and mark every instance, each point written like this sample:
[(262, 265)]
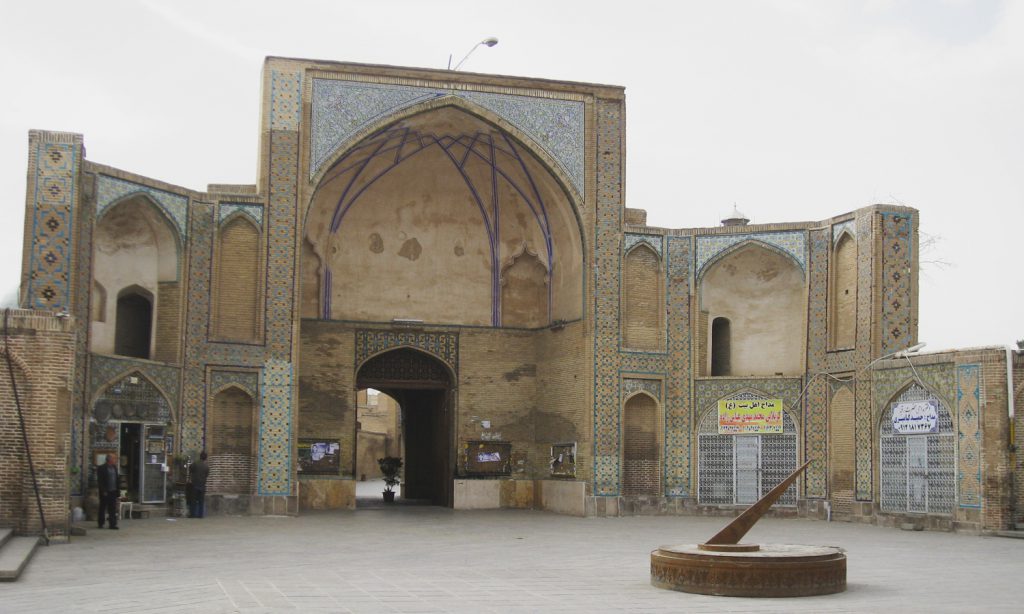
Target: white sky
[(792, 110)]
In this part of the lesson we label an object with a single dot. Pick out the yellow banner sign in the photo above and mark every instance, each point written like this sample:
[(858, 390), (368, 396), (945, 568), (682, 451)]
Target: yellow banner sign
[(737, 417)]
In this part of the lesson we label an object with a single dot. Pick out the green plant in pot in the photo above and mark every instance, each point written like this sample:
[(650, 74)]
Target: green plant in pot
[(390, 466)]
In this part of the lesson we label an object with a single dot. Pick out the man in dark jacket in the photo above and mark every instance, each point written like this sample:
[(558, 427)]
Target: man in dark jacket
[(107, 480), (197, 476)]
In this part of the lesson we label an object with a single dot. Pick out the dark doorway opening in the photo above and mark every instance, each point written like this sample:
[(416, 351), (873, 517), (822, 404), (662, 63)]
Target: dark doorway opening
[(421, 385), (134, 325), (131, 449), (721, 347)]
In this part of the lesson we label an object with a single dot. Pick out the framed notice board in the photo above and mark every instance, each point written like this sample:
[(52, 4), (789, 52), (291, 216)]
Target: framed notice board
[(319, 456), (487, 458)]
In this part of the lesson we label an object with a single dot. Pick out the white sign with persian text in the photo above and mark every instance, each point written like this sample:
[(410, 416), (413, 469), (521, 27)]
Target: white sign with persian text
[(915, 417)]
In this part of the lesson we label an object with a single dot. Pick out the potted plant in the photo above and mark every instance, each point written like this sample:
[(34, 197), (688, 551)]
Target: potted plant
[(390, 466)]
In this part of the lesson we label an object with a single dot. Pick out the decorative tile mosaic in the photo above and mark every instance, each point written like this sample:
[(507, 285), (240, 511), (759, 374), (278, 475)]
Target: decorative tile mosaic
[(246, 380), (815, 425), (633, 385), (897, 263), (285, 99), (275, 429), (444, 346), (968, 402), (343, 108), (606, 298), (937, 379), (654, 241), (193, 407), (255, 212), (867, 322), (711, 247), (53, 174), (849, 226), (678, 442), (105, 370), (110, 190), (80, 309)]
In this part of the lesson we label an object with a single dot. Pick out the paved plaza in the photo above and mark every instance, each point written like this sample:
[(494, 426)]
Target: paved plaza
[(428, 559)]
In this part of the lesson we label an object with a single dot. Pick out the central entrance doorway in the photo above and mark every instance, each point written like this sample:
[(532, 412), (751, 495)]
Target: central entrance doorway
[(422, 387)]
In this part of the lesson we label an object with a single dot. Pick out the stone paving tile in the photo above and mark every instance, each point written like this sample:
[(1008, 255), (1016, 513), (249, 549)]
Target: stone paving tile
[(409, 559)]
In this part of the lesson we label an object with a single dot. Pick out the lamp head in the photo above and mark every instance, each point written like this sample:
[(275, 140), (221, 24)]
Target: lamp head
[(490, 41)]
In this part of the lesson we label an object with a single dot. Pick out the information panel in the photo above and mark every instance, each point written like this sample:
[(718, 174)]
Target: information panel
[(915, 417), (742, 416)]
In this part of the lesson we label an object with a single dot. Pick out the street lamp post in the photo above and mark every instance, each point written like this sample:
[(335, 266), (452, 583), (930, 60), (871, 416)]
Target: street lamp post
[(490, 41)]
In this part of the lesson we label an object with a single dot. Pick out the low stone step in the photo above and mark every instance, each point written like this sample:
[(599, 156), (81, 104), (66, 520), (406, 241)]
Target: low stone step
[(15, 555), (5, 534), (1013, 534)]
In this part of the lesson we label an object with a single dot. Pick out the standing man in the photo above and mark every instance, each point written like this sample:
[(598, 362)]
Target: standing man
[(198, 474), (107, 480)]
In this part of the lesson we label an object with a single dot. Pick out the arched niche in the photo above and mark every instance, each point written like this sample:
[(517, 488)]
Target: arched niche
[(237, 292), (524, 291), (418, 219), (843, 291), (641, 449), (643, 300), (762, 293), (232, 442), (134, 246)]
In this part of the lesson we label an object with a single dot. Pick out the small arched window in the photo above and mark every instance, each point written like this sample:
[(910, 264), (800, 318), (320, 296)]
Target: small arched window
[(721, 347), (134, 324)]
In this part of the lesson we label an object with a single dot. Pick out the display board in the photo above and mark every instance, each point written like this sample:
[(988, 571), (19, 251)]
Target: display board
[(747, 416), (487, 458), (319, 456), (563, 460)]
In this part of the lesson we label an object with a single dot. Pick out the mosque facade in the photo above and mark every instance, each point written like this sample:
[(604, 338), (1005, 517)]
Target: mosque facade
[(460, 242)]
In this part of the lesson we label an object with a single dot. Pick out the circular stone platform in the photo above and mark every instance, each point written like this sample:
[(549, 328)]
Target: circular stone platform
[(773, 570)]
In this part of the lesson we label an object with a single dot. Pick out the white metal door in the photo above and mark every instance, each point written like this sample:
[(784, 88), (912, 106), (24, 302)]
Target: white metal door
[(917, 474)]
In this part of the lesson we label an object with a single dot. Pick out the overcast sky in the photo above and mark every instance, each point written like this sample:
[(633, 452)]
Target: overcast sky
[(791, 110)]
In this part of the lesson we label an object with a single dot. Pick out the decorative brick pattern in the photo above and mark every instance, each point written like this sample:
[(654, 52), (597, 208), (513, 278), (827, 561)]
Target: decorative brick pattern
[(444, 346), (791, 243), (53, 196), (678, 442), (275, 452), (897, 263), (815, 425), (606, 297), (110, 190), (968, 403)]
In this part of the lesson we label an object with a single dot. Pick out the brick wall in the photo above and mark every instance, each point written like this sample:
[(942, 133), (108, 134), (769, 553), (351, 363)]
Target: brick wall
[(231, 437), (168, 323), (42, 349), (237, 275), (643, 304), (641, 464), (1018, 420), (841, 444)]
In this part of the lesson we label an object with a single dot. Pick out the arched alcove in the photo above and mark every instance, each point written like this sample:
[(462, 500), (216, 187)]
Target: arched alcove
[(231, 439), (917, 454), (643, 300), (641, 458), (762, 293), (418, 219), (236, 298), (524, 291), (136, 246), (843, 299)]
